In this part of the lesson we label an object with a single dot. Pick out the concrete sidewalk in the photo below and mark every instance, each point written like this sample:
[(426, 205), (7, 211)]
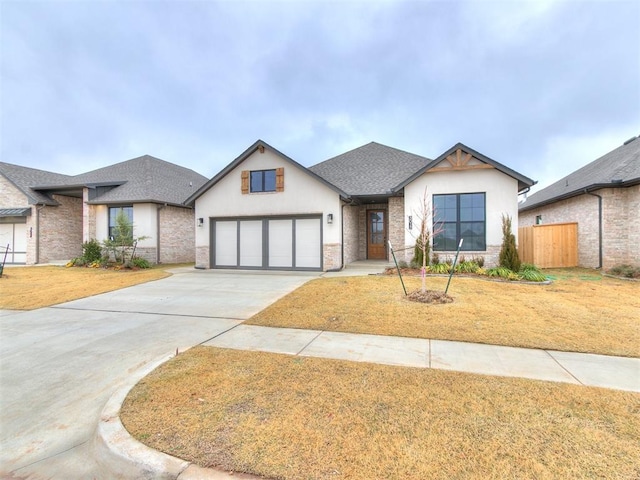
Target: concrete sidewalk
[(620, 373)]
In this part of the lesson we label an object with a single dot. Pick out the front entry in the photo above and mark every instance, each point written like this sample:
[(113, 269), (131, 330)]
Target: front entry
[(376, 235)]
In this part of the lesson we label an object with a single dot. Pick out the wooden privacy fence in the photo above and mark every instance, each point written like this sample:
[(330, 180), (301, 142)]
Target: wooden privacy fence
[(549, 246)]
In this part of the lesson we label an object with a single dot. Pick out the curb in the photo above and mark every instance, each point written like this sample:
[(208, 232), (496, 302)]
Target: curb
[(124, 457)]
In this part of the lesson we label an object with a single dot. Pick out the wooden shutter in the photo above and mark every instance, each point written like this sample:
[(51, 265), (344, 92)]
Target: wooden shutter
[(280, 179), (245, 181)]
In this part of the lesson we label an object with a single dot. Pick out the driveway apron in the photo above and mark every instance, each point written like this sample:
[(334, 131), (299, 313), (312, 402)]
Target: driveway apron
[(59, 365)]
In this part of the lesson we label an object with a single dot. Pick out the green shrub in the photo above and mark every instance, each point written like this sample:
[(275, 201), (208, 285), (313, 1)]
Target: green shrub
[(509, 253), (532, 276), (502, 272), (627, 271), (91, 251), (467, 267), (440, 268), (140, 263)]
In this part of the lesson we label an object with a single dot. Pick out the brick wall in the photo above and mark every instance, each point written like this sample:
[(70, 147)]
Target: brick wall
[(620, 227), (350, 233), (177, 235), (332, 256), (203, 258), (396, 233), (61, 230)]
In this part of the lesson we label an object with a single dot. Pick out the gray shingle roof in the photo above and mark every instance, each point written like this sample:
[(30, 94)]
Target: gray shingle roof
[(618, 168), (142, 179), (24, 178), (148, 179), (372, 169)]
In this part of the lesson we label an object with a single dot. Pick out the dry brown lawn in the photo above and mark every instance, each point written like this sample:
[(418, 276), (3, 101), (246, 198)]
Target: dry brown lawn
[(580, 311), (26, 288), (304, 418)]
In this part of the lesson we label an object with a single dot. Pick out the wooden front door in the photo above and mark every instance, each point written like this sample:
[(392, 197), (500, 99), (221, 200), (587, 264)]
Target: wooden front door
[(376, 235)]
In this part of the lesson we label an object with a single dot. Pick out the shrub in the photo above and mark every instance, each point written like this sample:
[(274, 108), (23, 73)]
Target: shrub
[(509, 253), (435, 259), (478, 260), (627, 271), (91, 251), (532, 276), (467, 267), (140, 263), (502, 272), (440, 268)]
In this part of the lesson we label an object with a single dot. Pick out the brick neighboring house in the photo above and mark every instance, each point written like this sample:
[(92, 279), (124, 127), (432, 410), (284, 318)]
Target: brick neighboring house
[(46, 216), (266, 211), (603, 197)]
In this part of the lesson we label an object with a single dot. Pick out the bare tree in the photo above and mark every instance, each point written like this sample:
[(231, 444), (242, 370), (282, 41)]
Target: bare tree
[(428, 230)]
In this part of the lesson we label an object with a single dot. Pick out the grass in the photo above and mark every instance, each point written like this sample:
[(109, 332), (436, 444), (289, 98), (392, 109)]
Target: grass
[(26, 288), (304, 418), (580, 311)]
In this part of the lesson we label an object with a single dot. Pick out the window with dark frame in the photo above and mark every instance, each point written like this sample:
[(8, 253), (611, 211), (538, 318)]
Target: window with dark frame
[(263, 181), (113, 215), (456, 216)]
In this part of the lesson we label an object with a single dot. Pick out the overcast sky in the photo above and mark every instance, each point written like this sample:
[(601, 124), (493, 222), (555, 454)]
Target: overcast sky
[(543, 87)]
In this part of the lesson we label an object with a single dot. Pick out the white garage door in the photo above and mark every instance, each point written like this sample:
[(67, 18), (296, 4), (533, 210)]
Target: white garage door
[(277, 243), (15, 236)]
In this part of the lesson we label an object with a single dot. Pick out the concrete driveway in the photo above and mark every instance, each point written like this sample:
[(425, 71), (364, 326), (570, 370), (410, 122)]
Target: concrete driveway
[(59, 365)]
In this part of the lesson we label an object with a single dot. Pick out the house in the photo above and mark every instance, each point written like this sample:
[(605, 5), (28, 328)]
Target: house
[(46, 216), (266, 211), (603, 198)]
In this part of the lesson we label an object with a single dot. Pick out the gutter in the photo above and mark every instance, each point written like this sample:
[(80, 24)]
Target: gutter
[(586, 191)]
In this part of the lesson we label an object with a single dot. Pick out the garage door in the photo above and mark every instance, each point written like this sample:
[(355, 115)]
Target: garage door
[(276, 243), (14, 235)]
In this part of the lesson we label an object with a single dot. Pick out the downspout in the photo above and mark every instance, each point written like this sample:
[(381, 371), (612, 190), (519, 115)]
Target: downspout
[(599, 226), (160, 207)]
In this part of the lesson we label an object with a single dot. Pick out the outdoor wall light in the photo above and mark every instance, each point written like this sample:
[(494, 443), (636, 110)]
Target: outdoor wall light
[(200, 222), (330, 218), (410, 222)]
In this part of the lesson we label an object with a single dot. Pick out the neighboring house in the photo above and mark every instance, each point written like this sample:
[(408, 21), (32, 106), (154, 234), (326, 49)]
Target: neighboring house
[(46, 216), (266, 211), (603, 197)]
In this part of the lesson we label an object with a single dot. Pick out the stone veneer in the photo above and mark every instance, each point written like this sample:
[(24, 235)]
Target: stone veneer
[(350, 233), (395, 226), (620, 225)]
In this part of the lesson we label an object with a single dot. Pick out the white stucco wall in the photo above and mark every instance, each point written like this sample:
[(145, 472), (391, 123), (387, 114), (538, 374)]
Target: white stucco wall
[(302, 194), (501, 198), (145, 223)]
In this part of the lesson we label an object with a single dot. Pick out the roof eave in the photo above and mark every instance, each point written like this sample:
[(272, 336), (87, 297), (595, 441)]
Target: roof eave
[(581, 191)]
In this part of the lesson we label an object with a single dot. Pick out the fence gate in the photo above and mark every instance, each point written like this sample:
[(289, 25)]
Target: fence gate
[(549, 246)]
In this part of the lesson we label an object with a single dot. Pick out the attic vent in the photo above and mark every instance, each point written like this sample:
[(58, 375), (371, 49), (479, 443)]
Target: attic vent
[(629, 141)]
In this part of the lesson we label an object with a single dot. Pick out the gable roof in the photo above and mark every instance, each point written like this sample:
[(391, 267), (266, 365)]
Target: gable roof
[(370, 170), (618, 168), (141, 179), (523, 182), (247, 153), (24, 178)]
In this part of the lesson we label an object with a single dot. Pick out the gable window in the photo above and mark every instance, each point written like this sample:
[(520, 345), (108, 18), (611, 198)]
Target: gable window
[(456, 216), (257, 181), (117, 229), (263, 181)]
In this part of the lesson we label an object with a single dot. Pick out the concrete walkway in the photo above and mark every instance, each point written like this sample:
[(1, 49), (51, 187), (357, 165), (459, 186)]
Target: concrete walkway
[(619, 373)]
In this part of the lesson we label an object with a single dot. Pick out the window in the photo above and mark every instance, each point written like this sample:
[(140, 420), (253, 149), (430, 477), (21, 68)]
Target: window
[(457, 216), (115, 228), (263, 181)]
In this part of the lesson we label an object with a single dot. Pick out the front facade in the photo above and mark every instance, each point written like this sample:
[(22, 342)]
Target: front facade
[(266, 211), (45, 217), (603, 198)]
